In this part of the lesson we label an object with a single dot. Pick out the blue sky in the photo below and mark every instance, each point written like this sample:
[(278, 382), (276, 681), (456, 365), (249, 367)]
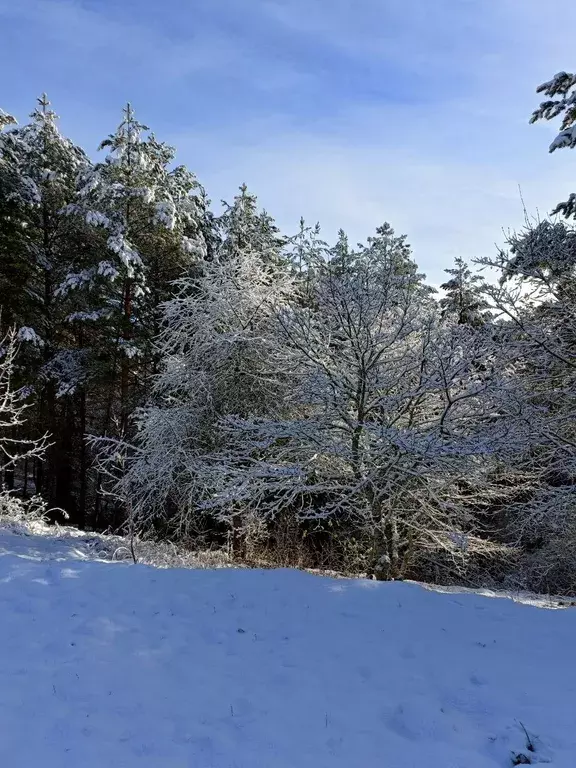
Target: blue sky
[(350, 112)]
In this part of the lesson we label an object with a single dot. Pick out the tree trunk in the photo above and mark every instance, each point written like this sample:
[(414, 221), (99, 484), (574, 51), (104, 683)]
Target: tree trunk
[(125, 365), (238, 538), (83, 463)]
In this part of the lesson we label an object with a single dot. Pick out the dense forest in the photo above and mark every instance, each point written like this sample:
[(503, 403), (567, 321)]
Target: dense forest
[(202, 377)]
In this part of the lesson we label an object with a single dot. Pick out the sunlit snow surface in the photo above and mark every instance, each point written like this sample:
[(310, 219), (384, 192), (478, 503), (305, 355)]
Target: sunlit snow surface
[(125, 666)]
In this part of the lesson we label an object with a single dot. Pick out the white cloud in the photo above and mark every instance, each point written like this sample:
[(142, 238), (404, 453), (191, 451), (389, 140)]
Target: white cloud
[(447, 207), (107, 36), (441, 156), (446, 171)]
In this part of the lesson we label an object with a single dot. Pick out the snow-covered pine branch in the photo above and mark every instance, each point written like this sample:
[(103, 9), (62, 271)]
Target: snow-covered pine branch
[(561, 101)]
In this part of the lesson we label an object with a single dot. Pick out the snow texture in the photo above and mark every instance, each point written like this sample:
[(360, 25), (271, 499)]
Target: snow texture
[(29, 334), (132, 666)]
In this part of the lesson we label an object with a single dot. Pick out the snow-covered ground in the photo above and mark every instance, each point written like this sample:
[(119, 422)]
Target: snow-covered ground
[(129, 666)]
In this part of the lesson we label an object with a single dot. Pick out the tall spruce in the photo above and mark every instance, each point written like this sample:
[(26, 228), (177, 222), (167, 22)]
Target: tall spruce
[(152, 221), (463, 300), (242, 226), (40, 244)]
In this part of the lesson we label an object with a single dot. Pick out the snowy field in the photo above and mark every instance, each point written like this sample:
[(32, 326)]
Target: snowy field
[(124, 666)]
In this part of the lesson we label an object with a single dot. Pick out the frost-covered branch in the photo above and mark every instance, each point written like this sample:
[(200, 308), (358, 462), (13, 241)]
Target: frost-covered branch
[(13, 406)]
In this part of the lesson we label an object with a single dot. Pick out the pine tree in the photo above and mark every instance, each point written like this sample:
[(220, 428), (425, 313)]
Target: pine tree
[(151, 222), (561, 90), (342, 257), (13, 266), (242, 226), (41, 243), (152, 217), (390, 251), (463, 301), (308, 256)]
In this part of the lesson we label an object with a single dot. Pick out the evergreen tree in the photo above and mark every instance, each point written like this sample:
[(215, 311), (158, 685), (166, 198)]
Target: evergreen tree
[(341, 256), (40, 244), (308, 256), (390, 251), (151, 222), (13, 266), (561, 101), (463, 300), (243, 227), (152, 217)]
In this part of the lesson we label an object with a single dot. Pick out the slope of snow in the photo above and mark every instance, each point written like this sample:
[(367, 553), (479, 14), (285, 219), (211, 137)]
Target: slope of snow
[(111, 664)]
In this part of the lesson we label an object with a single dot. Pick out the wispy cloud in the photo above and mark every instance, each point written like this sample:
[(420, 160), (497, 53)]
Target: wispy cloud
[(348, 111), (103, 29), (448, 206)]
